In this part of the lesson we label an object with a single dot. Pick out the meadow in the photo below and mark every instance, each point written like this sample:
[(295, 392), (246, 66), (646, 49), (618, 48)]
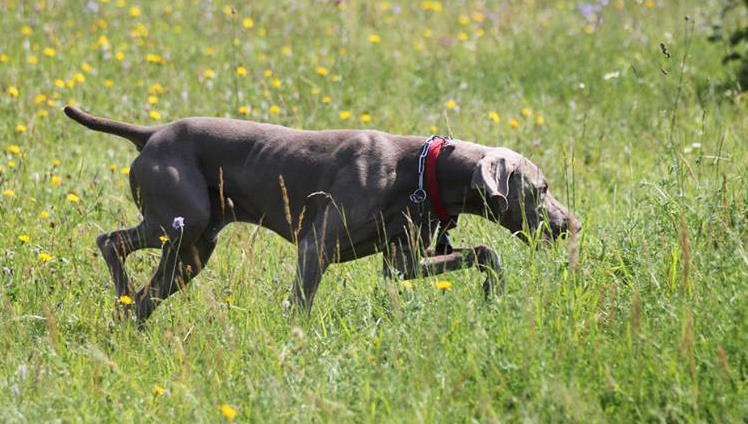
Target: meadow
[(643, 319)]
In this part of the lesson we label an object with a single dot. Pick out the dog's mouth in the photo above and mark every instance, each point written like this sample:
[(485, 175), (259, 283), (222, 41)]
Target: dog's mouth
[(547, 233)]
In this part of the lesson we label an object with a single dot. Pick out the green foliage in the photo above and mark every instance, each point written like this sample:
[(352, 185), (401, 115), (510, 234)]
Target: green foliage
[(731, 30), (648, 326)]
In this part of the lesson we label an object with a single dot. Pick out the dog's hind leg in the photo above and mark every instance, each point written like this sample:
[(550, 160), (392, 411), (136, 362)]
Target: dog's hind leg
[(115, 246), (175, 270), (175, 199)]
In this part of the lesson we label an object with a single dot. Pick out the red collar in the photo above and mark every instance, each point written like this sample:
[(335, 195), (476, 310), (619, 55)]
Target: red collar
[(435, 145)]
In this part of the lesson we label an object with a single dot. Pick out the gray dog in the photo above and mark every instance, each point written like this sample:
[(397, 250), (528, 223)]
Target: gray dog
[(339, 195)]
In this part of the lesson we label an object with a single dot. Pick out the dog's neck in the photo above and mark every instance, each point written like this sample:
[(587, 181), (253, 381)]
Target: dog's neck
[(455, 168)]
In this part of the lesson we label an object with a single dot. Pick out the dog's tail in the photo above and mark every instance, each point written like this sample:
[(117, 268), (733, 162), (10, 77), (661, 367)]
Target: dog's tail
[(138, 134)]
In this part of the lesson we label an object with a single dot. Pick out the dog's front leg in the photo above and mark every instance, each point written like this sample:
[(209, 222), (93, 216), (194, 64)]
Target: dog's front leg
[(482, 257), (312, 262)]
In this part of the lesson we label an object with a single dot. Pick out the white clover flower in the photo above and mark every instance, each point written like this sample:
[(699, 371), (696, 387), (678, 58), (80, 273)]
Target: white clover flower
[(178, 223)]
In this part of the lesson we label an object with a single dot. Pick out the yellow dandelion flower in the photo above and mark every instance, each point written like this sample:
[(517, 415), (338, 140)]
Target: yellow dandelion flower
[(124, 170), (79, 78), (228, 412), (345, 115), (588, 29), (451, 104), (20, 128), (526, 112), (32, 60), (42, 113), (274, 110), (539, 120), (228, 10), (44, 214), (102, 42), (433, 129), (152, 100), (286, 50), (73, 198), (85, 67), (119, 56), (154, 58), (315, 90), (431, 6), (463, 36), (24, 238), (9, 193), (276, 83), (135, 11), (13, 149), (49, 52), (365, 118), (326, 100), (12, 91), (407, 284), (245, 110), (443, 285), (26, 30), (55, 180), (56, 163), (321, 70), (478, 17), (463, 20), (374, 38), (3, 58), (494, 116), (140, 31), (649, 4), (156, 89), (70, 83), (241, 71), (514, 124), (209, 73), (44, 257), (59, 83), (427, 33), (163, 238), (228, 299), (40, 98), (154, 114), (125, 300), (267, 73), (248, 23), (158, 390)]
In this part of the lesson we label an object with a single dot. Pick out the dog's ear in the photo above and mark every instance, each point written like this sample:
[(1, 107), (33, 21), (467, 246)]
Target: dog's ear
[(492, 175)]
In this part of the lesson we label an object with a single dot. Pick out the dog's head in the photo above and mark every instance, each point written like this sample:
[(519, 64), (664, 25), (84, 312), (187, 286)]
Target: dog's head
[(516, 194)]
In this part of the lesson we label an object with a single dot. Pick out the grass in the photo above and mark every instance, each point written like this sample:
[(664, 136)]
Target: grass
[(648, 150)]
